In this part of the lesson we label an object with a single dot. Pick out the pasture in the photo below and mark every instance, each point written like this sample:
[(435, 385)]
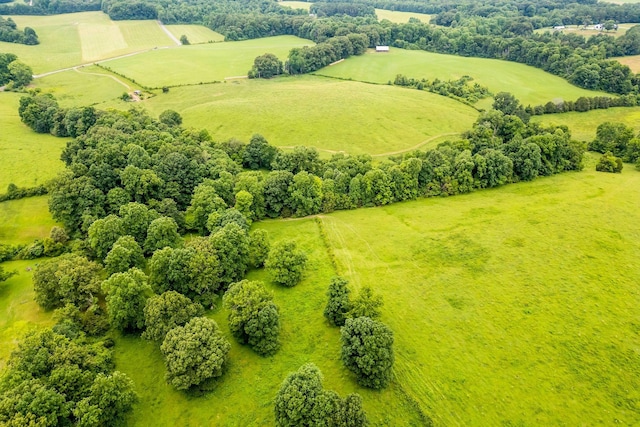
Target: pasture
[(79, 38), (632, 62), (583, 125), (196, 34), (331, 115), (201, 63), (391, 15), (24, 220), (28, 158), (530, 85)]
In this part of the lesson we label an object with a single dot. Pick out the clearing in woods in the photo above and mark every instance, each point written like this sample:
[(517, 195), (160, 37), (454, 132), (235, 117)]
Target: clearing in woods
[(196, 34), (583, 126)]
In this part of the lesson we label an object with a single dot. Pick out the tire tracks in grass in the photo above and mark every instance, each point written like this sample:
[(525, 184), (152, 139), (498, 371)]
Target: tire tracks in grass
[(77, 70)]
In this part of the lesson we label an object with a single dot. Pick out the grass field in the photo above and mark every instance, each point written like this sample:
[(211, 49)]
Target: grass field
[(201, 63), (77, 38), (325, 113), (632, 62), (24, 220), (530, 85), (195, 33), (28, 158), (391, 15), (583, 125), (516, 306)]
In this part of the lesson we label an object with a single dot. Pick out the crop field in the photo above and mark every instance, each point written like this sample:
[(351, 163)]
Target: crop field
[(391, 15), (201, 63), (516, 306), (583, 125), (530, 85), (195, 33), (28, 158), (329, 114), (77, 38)]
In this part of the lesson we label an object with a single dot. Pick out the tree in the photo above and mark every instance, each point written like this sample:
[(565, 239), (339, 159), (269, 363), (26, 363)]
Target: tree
[(136, 219), (286, 263), (184, 40), (258, 154), (258, 247), (162, 232), (110, 398), (302, 401), (367, 351), (171, 118), (5, 275), (253, 317), (166, 311), (609, 163), (231, 244), (366, 304), (103, 233), (266, 66), (194, 353), (125, 254), (69, 279), (204, 202), (506, 102), (338, 304), (127, 294), (21, 74)]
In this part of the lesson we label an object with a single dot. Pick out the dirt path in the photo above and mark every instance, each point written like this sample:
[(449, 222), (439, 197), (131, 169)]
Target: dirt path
[(171, 36), (77, 70)]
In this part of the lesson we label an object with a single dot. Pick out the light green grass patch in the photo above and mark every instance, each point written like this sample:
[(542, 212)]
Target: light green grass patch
[(144, 35), (19, 313), (244, 395), (98, 38), (201, 63), (515, 306), (195, 33), (328, 114), (401, 17), (27, 158), (24, 220), (84, 86), (296, 4), (583, 126), (530, 85)]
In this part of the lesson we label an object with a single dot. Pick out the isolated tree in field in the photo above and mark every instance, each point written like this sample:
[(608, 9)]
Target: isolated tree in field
[(266, 66), (164, 312), (367, 351), (338, 304), (286, 263), (302, 401), (170, 117), (103, 233), (69, 279), (253, 317), (258, 247), (126, 295), (125, 254), (366, 304), (184, 40), (609, 163), (162, 232), (194, 353)]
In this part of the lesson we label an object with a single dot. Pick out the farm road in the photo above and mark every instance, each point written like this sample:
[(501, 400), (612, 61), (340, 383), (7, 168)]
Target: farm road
[(77, 70), (171, 36)]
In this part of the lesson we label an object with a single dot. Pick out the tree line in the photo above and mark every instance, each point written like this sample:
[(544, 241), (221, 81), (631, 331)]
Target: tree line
[(13, 73), (9, 32), (48, 7)]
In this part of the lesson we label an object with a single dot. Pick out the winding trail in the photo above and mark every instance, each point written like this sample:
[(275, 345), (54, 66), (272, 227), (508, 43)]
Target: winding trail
[(77, 70)]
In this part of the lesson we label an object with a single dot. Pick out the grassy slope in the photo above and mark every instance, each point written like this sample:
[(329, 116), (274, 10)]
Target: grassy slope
[(583, 125), (391, 15), (72, 39), (28, 158), (530, 85), (516, 306), (245, 395), (201, 63), (24, 220), (195, 33), (325, 113)]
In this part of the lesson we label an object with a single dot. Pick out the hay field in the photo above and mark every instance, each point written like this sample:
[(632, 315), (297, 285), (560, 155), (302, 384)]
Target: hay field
[(196, 34)]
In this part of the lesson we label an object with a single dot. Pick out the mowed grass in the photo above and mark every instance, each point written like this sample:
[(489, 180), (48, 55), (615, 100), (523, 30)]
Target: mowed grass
[(530, 85), (201, 63), (26, 158), (89, 85), (583, 126), (72, 39), (195, 33), (515, 306), (391, 15), (244, 395), (331, 115)]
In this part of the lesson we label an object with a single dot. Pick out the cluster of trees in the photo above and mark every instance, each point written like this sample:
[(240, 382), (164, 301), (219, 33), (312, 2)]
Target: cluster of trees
[(14, 192), (311, 58), (609, 163), (303, 401), (323, 9), (266, 66), (120, 10), (616, 140), (48, 7), (457, 89), (13, 73), (9, 32)]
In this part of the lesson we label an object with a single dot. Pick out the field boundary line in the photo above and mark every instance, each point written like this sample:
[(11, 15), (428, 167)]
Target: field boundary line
[(166, 30), (77, 70)]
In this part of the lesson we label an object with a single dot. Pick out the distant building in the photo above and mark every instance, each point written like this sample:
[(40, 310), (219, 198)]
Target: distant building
[(559, 27), (598, 27), (382, 48)]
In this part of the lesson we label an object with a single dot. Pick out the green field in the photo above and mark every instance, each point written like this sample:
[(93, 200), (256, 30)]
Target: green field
[(28, 158), (195, 33), (583, 125), (632, 62), (78, 38), (391, 15), (24, 220), (530, 85), (328, 114), (201, 63)]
